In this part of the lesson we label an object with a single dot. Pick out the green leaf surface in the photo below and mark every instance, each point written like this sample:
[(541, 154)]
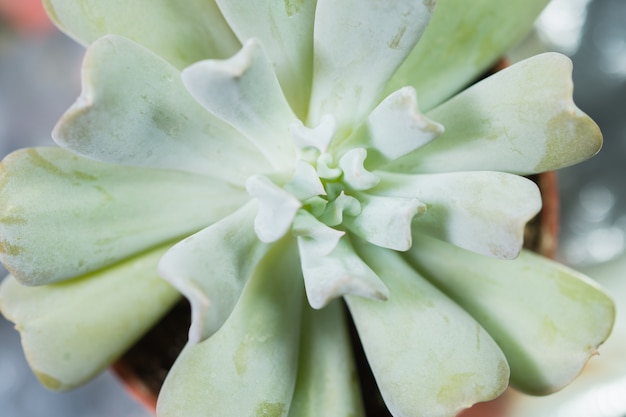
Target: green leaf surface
[(547, 318), (385, 221), (135, 110), (247, 368), (484, 212), (520, 120), (429, 357), (327, 383), (71, 331), (63, 215), (463, 39), (244, 92), (211, 267), (180, 32), (358, 45), (340, 272), (285, 28), (396, 127)]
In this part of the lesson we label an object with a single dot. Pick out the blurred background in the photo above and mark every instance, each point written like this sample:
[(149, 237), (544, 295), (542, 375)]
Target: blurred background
[(39, 79)]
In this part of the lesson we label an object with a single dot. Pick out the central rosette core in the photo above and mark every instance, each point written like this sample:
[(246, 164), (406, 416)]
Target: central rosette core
[(326, 195), (321, 194)]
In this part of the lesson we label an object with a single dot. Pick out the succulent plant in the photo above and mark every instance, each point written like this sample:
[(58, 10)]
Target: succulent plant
[(268, 160)]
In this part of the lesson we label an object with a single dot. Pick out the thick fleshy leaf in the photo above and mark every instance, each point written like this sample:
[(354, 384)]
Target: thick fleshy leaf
[(318, 137), (520, 120), (135, 110), (326, 167), (318, 238), (327, 383), (547, 318), (71, 331), (338, 273), (285, 28), (63, 215), (385, 221), (211, 267), (277, 208), (304, 183), (463, 39), (244, 92), (484, 212), (334, 211), (429, 357), (355, 175), (249, 367), (350, 35), (181, 33), (396, 127)]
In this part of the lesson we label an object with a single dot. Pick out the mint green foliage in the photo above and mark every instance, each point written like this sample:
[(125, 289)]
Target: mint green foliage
[(181, 35), (527, 325), (269, 161), (74, 329), (463, 41)]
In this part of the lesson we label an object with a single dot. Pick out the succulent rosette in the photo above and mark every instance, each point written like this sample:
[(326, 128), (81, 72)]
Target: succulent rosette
[(269, 159)]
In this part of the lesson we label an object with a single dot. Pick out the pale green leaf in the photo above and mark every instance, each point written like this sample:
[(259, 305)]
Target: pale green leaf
[(385, 221), (244, 92), (332, 213), (249, 367), (71, 331), (285, 28), (211, 267), (337, 273), (304, 183), (520, 120), (277, 208), (358, 45), (429, 357), (355, 176), (396, 127), (135, 110), (463, 39), (317, 137), (547, 318), (318, 238), (327, 383), (63, 215), (181, 33), (485, 212)]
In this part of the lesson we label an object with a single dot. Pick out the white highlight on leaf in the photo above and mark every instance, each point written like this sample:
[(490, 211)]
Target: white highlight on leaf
[(305, 183), (325, 169), (277, 208), (397, 127), (318, 137), (386, 221), (354, 173), (336, 274), (321, 239)]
